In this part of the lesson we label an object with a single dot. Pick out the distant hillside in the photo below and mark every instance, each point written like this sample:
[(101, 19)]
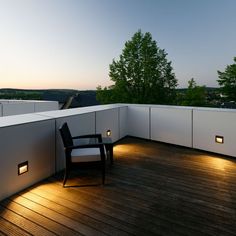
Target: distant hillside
[(59, 95), (70, 98), (80, 98)]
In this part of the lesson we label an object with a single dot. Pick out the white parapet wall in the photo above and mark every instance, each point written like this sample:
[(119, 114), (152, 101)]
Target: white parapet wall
[(185, 126), (139, 121), (25, 138), (171, 124), (17, 107), (209, 123), (108, 120), (123, 124)]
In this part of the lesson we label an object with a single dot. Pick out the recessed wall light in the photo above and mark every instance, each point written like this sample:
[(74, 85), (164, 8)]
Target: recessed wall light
[(23, 168), (219, 139), (108, 132)]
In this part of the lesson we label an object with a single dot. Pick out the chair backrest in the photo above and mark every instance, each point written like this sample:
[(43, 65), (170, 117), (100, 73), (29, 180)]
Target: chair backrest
[(66, 135)]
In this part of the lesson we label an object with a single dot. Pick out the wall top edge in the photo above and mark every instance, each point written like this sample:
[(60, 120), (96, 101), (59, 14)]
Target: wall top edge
[(6, 101), (48, 115), (6, 121), (214, 109), (181, 107), (78, 111), (158, 106)]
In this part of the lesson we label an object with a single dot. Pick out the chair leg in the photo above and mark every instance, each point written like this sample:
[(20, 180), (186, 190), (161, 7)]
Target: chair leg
[(103, 177), (111, 155), (65, 177), (103, 171)]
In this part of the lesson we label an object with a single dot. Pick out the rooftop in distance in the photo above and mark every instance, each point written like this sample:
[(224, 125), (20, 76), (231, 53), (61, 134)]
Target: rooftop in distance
[(16, 107)]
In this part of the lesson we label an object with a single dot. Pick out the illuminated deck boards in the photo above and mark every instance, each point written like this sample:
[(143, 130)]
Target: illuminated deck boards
[(152, 189)]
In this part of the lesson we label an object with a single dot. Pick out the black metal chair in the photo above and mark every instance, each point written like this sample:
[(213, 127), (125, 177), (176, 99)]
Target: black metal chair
[(81, 151)]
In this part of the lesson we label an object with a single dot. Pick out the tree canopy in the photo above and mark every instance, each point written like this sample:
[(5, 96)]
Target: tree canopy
[(195, 95), (227, 81), (142, 74)]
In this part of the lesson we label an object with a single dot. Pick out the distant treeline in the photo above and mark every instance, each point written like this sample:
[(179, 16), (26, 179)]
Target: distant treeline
[(59, 95), (88, 97), (80, 98)]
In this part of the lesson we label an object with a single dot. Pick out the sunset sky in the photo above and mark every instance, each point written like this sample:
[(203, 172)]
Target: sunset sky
[(70, 43)]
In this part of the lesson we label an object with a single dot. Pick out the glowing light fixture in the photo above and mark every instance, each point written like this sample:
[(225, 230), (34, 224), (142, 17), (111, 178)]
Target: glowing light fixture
[(23, 168), (219, 139), (108, 133)]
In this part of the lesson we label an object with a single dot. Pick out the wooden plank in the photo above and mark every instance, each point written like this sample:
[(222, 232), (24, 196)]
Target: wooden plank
[(124, 216), (150, 209), (23, 223), (73, 224), (2, 234), (72, 213), (206, 193), (153, 223), (194, 172), (136, 190), (7, 228), (97, 210), (61, 198), (165, 173), (186, 206), (39, 219)]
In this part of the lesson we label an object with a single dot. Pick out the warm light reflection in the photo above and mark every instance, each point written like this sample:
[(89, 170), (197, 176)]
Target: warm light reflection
[(119, 147), (218, 163), (125, 148)]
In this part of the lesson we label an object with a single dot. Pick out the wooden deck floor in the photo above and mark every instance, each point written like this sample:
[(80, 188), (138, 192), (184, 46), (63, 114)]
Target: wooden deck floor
[(152, 189)]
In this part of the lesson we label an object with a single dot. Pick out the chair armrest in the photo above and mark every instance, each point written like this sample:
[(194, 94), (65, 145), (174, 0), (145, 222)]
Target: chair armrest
[(98, 136), (90, 145)]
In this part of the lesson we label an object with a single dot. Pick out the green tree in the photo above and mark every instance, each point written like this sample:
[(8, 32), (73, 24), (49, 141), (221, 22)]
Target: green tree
[(142, 74), (105, 95), (195, 95), (227, 81)]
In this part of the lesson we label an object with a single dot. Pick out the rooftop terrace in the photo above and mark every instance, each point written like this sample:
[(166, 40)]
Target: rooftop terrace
[(152, 189)]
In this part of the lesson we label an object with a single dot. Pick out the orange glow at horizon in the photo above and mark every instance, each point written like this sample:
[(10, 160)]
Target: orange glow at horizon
[(47, 80)]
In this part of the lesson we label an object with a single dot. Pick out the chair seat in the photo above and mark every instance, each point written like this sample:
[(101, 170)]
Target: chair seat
[(85, 155)]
